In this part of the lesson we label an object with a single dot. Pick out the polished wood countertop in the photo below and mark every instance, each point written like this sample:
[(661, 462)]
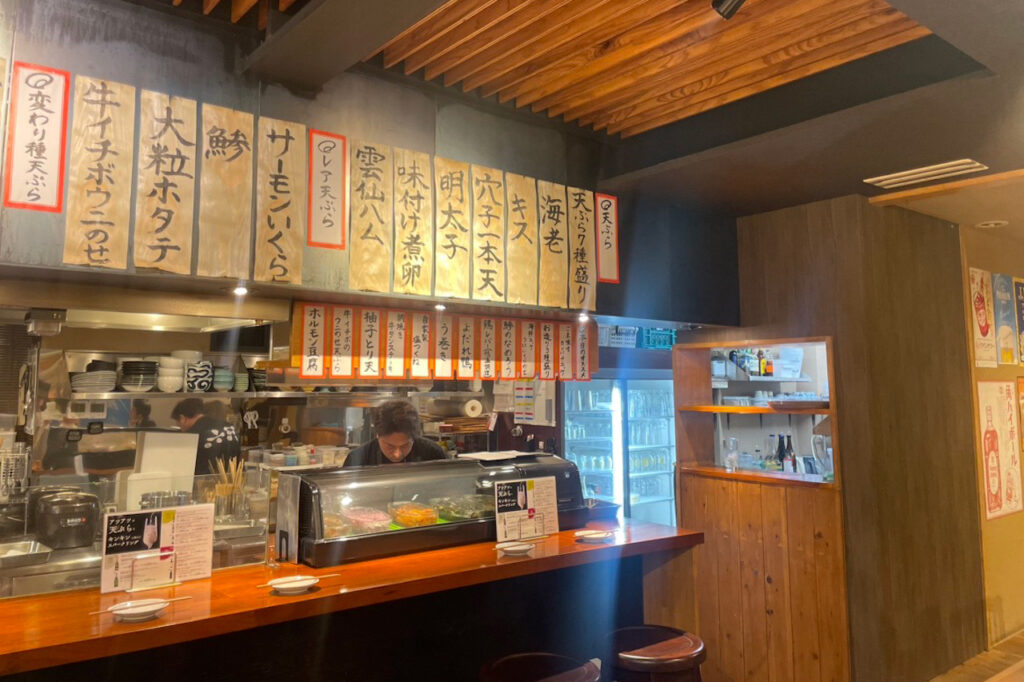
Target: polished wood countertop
[(47, 630)]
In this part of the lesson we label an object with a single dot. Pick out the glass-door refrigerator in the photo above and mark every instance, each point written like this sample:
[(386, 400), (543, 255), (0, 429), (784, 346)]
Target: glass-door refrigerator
[(620, 434)]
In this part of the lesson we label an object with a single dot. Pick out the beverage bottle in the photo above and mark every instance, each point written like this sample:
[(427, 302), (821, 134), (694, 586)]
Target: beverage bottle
[(790, 456), (760, 361), (780, 453), (769, 366), (990, 443)]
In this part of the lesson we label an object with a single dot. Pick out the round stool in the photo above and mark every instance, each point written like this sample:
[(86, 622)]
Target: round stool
[(655, 653), (539, 667)]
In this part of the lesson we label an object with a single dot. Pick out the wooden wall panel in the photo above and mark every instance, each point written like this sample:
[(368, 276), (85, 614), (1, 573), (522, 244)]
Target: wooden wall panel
[(752, 582), (803, 593), (778, 620), (730, 591)]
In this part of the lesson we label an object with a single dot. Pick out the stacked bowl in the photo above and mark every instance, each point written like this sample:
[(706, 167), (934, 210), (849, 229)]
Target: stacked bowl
[(223, 379), (170, 374), (138, 376), (258, 377), (242, 381), (198, 376)]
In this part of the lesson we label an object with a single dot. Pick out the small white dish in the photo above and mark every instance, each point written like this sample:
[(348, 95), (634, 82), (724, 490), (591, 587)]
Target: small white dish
[(143, 388), (294, 584), (138, 610), (595, 536), (515, 548), (171, 362)]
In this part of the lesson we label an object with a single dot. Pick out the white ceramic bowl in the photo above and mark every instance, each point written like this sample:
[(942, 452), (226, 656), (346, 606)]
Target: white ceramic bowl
[(171, 363), (170, 384), (189, 356)]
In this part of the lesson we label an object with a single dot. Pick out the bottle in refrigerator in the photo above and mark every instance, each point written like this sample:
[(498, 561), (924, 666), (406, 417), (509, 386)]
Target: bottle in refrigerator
[(780, 452), (790, 456), (990, 444)]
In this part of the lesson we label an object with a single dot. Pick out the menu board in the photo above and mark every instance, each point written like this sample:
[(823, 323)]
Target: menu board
[(394, 344), (982, 319), (342, 342), (372, 218), (997, 412), (328, 190), (280, 201), (444, 366), (1005, 319), (369, 344), (156, 547), (313, 317), (526, 508), (607, 238), (419, 345)]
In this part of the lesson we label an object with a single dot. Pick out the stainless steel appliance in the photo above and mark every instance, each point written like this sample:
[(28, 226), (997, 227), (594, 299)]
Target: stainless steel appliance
[(67, 520)]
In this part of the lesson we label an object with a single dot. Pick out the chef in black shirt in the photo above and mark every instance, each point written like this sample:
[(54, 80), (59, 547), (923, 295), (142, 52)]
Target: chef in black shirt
[(217, 438), (397, 427)]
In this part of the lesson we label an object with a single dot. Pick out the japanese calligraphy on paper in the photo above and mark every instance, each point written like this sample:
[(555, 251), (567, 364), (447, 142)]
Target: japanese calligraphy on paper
[(280, 199), (607, 208), (342, 338), (225, 193), (34, 167), (554, 245), (100, 175), (527, 349), (394, 344), (488, 234), (452, 225), (372, 234), (466, 367), (444, 366), (165, 183), (582, 252), (369, 343), (521, 199), (566, 355), (488, 353), (313, 324), (582, 366), (419, 345), (997, 410), (414, 223), (507, 352), (328, 190), (547, 355)]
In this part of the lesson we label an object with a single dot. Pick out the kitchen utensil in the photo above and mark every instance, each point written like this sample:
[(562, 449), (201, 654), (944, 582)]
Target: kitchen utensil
[(67, 520), (24, 553)]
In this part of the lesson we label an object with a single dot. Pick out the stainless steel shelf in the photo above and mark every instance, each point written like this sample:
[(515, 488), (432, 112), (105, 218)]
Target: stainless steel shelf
[(649, 447), (651, 500), (664, 472), (123, 395)]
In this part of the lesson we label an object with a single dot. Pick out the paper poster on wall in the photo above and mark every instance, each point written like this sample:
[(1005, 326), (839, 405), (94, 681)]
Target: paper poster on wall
[(527, 349), (280, 201), (521, 199), (583, 349), (3, 84), (452, 222), (1018, 306), (313, 324), (553, 237), (34, 165), (98, 216), (982, 318), (225, 193), (582, 250), (327, 215), (566, 352), (526, 508), (342, 337), (488, 233), (165, 184), (547, 355), (414, 223), (394, 344), (369, 343), (419, 345), (444, 364), (508, 365), (488, 348), (467, 350), (1005, 316), (372, 239), (1020, 411), (997, 410), (156, 547), (607, 208)]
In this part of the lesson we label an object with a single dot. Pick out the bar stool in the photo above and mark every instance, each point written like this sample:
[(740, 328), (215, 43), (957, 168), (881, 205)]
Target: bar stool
[(539, 667), (655, 653)]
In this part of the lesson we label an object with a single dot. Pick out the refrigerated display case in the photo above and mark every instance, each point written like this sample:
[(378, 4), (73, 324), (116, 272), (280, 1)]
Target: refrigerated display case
[(620, 433)]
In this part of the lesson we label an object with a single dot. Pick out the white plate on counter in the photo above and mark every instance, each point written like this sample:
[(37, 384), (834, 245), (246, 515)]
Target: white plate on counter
[(293, 584), (595, 536), (514, 548), (138, 610)]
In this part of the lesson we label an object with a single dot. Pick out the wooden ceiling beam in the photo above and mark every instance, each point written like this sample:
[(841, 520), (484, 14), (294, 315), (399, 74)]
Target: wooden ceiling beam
[(283, 5), (465, 31), (516, 49), (517, 26), (210, 5), (239, 8), (431, 29), (583, 34), (678, 54), (861, 50), (713, 61)]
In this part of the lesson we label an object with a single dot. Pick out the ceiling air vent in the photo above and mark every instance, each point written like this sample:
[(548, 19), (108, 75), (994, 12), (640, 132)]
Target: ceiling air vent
[(927, 173)]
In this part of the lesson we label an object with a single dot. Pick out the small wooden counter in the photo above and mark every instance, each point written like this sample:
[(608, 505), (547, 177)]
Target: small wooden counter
[(43, 631)]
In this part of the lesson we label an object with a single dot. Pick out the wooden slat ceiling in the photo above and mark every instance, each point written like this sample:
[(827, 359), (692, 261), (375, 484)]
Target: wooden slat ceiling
[(250, 12), (628, 66)]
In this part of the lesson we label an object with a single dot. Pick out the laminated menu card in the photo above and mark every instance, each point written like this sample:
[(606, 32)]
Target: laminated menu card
[(526, 508)]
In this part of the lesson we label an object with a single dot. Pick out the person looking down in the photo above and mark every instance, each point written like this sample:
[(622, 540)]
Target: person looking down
[(396, 425)]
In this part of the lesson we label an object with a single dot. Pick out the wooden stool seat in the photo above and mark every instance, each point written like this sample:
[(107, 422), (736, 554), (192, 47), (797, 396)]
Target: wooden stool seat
[(539, 667), (656, 652)]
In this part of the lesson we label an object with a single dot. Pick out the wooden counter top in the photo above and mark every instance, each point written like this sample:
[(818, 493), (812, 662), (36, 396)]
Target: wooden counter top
[(48, 630)]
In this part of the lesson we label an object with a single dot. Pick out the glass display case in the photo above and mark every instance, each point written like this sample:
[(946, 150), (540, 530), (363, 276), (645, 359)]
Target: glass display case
[(332, 516)]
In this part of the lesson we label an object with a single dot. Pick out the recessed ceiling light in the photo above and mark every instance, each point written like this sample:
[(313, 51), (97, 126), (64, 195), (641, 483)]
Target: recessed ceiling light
[(927, 173), (584, 317), (991, 224), (240, 290), (440, 307)]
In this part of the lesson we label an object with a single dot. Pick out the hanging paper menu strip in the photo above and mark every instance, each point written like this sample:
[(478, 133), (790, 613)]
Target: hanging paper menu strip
[(488, 234), (1018, 306), (444, 365), (280, 199), (313, 320), (342, 325), (34, 167), (452, 229), (553, 240), (508, 366), (100, 175), (582, 252), (548, 354), (566, 352), (165, 184), (466, 367), (419, 345), (488, 348), (394, 344), (582, 368), (369, 344), (527, 349), (225, 193), (372, 233), (414, 223), (327, 214), (521, 199), (607, 238)]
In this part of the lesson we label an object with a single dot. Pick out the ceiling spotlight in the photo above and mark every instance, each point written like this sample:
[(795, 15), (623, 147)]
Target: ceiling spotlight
[(440, 307), (727, 8), (240, 290), (992, 224), (584, 317)]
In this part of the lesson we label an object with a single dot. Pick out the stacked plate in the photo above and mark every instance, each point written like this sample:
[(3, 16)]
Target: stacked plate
[(241, 381), (258, 377), (138, 376), (98, 381), (223, 379)]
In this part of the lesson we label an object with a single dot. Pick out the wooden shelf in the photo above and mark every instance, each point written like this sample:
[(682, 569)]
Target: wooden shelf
[(748, 409), (774, 477)]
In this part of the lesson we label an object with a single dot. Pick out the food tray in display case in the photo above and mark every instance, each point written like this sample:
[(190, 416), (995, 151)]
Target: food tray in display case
[(333, 516)]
